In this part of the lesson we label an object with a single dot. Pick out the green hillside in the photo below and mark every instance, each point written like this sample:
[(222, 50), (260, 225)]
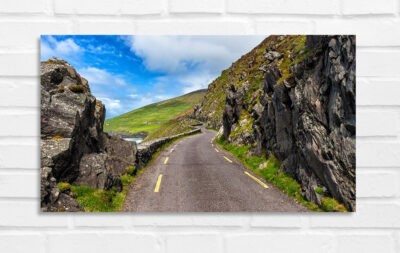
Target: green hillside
[(150, 118)]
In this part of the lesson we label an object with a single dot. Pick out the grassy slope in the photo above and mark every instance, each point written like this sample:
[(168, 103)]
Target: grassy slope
[(149, 118), (247, 69)]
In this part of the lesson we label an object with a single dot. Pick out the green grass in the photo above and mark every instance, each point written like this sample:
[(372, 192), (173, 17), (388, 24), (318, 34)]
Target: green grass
[(95, 200), (150, 118), (98, 200), (332, 205), (177, 125), (270, 171)]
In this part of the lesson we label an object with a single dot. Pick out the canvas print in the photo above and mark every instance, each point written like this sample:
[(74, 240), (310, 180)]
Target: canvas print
[(198, 123)]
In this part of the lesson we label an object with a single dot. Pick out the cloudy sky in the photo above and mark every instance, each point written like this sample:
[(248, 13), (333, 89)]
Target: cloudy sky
[(128, 72)]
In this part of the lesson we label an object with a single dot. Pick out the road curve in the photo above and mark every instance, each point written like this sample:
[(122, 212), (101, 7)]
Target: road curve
[(195, 175)]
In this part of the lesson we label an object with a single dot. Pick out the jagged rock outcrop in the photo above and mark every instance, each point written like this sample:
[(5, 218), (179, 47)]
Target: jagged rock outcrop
[(74, 147), (303, 112), (309, 121)]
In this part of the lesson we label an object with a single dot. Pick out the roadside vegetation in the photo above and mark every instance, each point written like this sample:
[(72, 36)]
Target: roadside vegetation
[(99, 200), (151, 118), (270, 171)]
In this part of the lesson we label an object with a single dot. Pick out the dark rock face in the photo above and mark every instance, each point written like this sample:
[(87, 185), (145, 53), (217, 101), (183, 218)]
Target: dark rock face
[(308, 120), (74, 147)]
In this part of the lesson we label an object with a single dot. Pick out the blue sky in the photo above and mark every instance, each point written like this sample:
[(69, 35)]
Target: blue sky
[(128, 72)]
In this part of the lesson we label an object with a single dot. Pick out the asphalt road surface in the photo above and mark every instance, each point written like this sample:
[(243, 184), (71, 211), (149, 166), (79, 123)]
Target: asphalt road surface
[(195, 175)]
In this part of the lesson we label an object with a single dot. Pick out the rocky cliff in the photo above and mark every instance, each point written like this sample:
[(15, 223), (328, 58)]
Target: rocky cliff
[(293, 97), (74, 148)]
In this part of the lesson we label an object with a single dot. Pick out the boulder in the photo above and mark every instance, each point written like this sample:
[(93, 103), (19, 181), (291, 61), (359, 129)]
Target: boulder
[(74, 148)]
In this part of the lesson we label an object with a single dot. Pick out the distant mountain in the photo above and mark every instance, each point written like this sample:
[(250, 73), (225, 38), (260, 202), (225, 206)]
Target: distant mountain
[(158, 119)]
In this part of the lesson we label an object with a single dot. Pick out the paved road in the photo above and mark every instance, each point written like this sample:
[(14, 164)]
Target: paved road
[(195, 175)]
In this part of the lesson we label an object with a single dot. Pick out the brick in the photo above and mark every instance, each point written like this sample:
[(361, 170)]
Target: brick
[(161, 220), (23, 185), (284, 27), (368, 7), (377, 184), (378, 63), (23, 6), (102, 242), (378, 92), (377, 154), (10, 156), (105, 27), (200, 6), (87, 7), (318, 7), (26, 33), (367, 215), (81, 220), (181, 243), (116, 7), (26, 214), (370, 32), (376, 122), (11, 243), (142, 7), (365, 243), (279, 242), (212, 219), (220, 220), (200, 27), (276, 220), (15, 124), (28, 93), (19, 64)]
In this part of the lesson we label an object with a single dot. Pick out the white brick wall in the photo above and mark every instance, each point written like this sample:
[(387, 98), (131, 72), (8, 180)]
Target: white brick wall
[(375, 227)]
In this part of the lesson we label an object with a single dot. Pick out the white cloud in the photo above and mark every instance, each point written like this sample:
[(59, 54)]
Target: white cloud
[(133, 95), (191, 61), (113, 106), (51, 47), (98, 76)]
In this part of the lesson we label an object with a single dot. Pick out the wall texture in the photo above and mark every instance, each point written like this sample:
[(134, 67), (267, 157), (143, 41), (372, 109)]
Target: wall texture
[(375, 227)]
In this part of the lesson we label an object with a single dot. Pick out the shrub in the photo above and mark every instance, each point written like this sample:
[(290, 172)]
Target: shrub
[(332, 205), (126, 179), (96, 200), (131, 170), (76, 88), (57, 137), (319, 190), (61, 88), (64, 186)]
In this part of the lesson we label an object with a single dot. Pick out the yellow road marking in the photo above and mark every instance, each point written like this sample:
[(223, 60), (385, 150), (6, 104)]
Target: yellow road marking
[(257, 180), (212, 145), (171, 150), (166, 160), (157, 188), (229, 160), (216, 150)]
